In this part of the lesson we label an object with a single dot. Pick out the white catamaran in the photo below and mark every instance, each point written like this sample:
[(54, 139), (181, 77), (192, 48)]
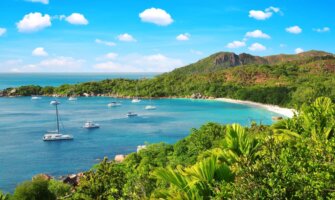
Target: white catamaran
[(56, 135)]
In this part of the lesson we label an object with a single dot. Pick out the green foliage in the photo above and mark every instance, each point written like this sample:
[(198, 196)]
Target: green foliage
[(36, 189), (59, 189), (4, 196)]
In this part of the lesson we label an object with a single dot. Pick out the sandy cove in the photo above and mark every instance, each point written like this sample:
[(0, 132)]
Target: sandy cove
[(273, 108)]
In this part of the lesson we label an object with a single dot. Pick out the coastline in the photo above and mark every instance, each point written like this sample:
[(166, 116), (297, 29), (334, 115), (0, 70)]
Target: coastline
[(286, 112)]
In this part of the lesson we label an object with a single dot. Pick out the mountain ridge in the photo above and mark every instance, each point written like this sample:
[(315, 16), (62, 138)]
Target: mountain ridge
[(223, 60)]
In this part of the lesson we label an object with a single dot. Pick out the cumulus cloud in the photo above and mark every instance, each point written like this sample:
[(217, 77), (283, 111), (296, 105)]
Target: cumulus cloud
[(156, 16), (107, 43), (33, 22), (183, 37), (257, 34), (257, 47), (39, 51), (298, 50), (263, 15), (140, 63), (294, 29), (259, 15), (40, 1), (235, 44), (57, 64), (76, 19), (322, 30), (2, 31), (126, 38)]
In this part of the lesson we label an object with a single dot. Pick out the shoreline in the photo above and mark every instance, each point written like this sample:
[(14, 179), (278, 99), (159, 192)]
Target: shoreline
[(287, 112)]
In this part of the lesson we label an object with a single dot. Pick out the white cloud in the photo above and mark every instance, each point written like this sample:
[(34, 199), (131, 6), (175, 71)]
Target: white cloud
[(107, 43), (40, 1), (294, 29), (183, 37), (274, 9), (263, 15), (39, 51), (322, 30), (140, 63), (33, 22), (76, 19), (282, 45), (257, 34), (257, 47), (298, 50), (57, 64), (156, 16), (235, 44), (126, 38), (2, 31), (111, 55), (259, 15)]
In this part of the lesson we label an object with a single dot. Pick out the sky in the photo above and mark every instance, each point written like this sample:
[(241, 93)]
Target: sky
[(154, 35)]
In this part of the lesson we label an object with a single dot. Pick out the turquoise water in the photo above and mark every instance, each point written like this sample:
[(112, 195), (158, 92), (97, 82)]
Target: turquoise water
[(55, 79), (24, 121)]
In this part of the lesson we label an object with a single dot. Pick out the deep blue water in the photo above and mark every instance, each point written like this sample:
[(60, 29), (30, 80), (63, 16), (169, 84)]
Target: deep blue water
[(55, 79), (24, 121)]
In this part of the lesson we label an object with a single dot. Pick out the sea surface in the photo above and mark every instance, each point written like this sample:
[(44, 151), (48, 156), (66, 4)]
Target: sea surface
[(56, 79), (23, 122)]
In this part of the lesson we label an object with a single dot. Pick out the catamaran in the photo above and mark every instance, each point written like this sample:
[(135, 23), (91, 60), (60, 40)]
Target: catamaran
[(150, 106), (56, 135)]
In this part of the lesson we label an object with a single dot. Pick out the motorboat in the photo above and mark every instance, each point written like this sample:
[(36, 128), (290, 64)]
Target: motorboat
[(114, 104), (36, 98), (91, 125), (132, 114), (136, 100), (56, 135), (150, 107), (72, 99)]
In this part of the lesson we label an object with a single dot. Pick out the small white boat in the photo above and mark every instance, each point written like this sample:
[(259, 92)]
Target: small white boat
[(114, 104), (56, 136), (136, 100), (150, 107), (72, 99), (90, 125), (131, 114), (35, 98)]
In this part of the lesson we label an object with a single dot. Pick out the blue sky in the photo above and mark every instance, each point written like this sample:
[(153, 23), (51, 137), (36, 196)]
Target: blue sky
[(154, 35)]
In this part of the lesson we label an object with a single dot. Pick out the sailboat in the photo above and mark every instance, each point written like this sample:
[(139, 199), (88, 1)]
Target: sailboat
[(150, 106), (136, 99), (56, 135)]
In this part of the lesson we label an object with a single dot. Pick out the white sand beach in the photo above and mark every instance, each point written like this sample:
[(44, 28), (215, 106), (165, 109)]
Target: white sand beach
[(273, 108)]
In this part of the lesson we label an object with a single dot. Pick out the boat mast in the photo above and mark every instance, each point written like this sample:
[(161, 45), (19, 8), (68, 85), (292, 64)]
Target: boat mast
[(57, 118)]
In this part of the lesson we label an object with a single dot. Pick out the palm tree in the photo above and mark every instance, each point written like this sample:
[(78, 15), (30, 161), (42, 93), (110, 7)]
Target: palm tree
[(195, 182)]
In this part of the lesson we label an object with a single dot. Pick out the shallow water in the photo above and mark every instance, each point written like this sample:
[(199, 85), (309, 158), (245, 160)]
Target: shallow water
[(24, 121)]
